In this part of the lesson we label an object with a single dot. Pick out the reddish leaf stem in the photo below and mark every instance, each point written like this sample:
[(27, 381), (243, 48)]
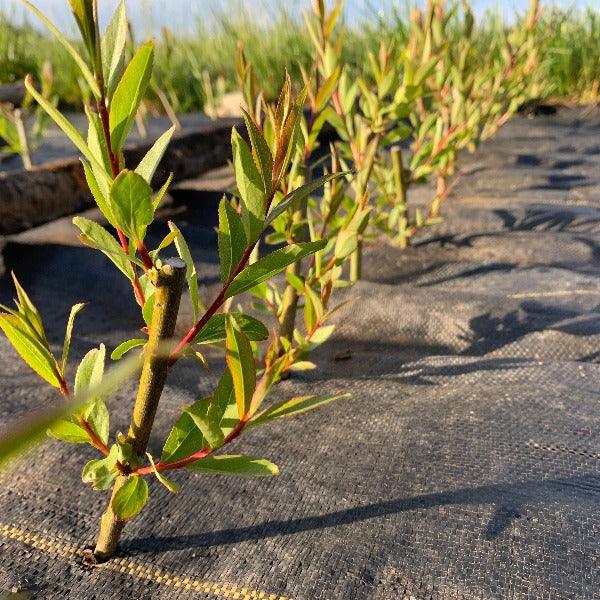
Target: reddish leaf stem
[(203, 453), (213, 308), (220, 298), (96, 441)]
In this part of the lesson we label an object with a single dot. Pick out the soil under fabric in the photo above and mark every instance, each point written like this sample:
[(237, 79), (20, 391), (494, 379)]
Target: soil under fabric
[(465, 465)]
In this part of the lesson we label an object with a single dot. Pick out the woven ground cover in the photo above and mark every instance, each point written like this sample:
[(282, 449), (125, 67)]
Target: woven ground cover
[(465, 465)]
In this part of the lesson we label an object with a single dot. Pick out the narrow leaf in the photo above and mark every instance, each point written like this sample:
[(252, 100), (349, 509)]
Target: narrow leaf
[(170, 485), (151, 160), (68, 333), (232, 239), (250, 187), (113, 49), (102, 199), (232, 464), (68, 129), (128, 95), (191, 274), (268, 266), (184, 440), (214, 330), (70, 48), (300, 195), (240, 360), (158, 198), (125, 347), (293, 407), (97, 237), (210, 429), (260, 153), (31, 350)]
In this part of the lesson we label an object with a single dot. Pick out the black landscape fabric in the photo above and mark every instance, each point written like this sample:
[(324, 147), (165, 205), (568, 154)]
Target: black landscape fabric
[(465, 465)]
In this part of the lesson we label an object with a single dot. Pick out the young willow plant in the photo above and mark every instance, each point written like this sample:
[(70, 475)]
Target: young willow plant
[(473, 90), (128, 203), (463, 90), (308, 285)]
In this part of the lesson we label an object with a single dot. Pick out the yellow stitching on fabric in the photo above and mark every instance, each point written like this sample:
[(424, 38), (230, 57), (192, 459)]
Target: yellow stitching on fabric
[(132, 568), (555, 293)]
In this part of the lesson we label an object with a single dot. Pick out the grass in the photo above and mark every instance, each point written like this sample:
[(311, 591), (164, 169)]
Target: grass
[(279, 41)]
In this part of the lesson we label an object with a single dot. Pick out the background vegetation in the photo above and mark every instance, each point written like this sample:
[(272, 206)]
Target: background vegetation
[(184, 64)]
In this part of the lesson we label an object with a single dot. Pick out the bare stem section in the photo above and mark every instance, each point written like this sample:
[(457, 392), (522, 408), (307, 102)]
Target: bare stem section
[(154, 374)]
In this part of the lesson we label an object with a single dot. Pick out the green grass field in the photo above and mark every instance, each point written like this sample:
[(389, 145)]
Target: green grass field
[(184, 64)]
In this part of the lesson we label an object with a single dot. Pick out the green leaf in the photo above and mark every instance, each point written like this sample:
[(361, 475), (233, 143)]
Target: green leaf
[(151, 160), (31, 350), (148, 309), (260, 153), (102, 199), (97, 144), (101, 472), (97, 237), (70, 48), (223, 407), (29, 312), (295, 281), (128, 95), (346, 243), (190, 273), (158, 198), (302, 365), (130, 498), (113, 49), (214, 330), (293, 407), (240, 360), (170, 485), (210, 429), (89, 376), (26, 431), (97, 417), (268, 266), (232, 239), (9, 135), (91, 370), (233, 464), (68, 129), (166, 241), (313, 308), (125, 347), (83, 12), (184, 440), (300, 195), (250, 187), (68, 333), (67, 430), (322, 334), (131, 201)]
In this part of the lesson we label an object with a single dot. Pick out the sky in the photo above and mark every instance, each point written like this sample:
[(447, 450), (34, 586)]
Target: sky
[(150, 15)]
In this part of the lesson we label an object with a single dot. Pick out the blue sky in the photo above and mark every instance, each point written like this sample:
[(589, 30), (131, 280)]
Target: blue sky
[(151, 14)]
